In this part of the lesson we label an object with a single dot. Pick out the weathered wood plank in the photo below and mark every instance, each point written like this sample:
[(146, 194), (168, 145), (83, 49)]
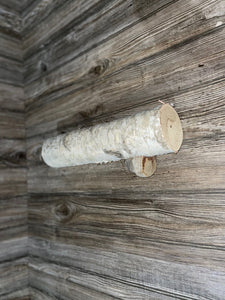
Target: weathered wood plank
[(13, 248), (164, 76), (78, 284), (106, 234), (12, 98), (11, 72), (12, 125), (14, 232), (13, 212), (115, 177), (10, 47), (36, 294), (10, 22), (13, 181), (15, 6), (13, 276), (56, 16), (182, 232), (157, 248), (13, 203), (12, 153), (137, 42), (86, 22), (45, 10), (179, 227), (155, 217), (205, 206), (187, 281), (21, 294), (61, 287)]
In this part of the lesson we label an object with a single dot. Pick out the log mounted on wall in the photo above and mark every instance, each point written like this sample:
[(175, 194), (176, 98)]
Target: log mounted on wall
[(145, 134)]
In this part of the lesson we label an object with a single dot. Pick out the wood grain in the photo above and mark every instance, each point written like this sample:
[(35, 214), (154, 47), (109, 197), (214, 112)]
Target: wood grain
[(176, 223), (86, 22), (75, 281), (10, 22), (98, 231), (21, 294), (16, 6), (12, 98), (13, 277), (134, 270), (141, 41), (10, 47), (151, 80), (13, 167)]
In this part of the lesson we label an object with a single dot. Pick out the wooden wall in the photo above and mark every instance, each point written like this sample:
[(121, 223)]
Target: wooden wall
[(97, 231), (13, 200)]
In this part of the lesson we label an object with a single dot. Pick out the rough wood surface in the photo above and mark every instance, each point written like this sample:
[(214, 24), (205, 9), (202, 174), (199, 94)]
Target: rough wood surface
[(13, 276), (104, 269), (21, 294), (13, 180), (10, 22), (141, 41), (99, 231), (75, 283), (163, 77), (16, 6)]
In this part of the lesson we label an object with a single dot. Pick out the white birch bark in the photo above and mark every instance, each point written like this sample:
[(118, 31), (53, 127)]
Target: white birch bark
[(147, 133)]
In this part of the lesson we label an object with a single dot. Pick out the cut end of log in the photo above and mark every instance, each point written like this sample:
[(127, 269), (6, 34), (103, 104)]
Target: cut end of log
[(171, 127), (142, 166)]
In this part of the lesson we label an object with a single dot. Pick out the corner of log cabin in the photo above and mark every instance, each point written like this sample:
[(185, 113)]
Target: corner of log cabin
[(98, 231)]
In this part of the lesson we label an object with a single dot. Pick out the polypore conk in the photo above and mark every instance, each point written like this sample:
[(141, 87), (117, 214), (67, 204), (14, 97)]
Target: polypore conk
[(147, 133)]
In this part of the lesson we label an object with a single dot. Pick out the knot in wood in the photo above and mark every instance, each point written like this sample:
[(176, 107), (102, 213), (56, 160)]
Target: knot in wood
[(100, 68), (64, 211), (15, 158), (43, 66)]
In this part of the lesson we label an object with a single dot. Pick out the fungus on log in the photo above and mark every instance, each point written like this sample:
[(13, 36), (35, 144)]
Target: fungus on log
[(147, 133)]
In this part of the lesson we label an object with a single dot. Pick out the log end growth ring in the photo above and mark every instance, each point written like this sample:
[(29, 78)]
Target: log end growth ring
[(171, 127)]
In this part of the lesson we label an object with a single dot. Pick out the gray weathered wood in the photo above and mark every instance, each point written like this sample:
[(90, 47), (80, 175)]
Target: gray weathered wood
[(147, 37), (21, 294), (13, 180), (97, 227), (13, 276), (148, 215), (85, 21), (16, 6), (12, 98), (187, 282), (160, 77), (10, 22), (10, 47), (98, 231), (75, 280)]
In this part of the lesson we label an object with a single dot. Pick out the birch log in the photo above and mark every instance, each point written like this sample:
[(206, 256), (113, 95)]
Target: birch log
[(147, 133)]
